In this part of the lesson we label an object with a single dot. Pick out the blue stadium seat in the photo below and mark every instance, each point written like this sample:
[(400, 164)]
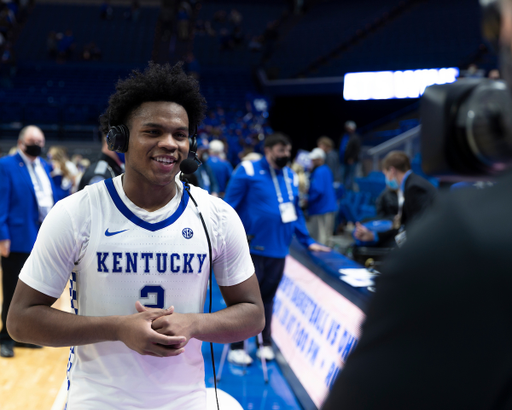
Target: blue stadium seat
[(121, 41)]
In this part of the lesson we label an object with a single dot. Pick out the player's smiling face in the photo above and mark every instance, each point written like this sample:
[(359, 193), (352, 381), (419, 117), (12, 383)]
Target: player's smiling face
[(158, 142)]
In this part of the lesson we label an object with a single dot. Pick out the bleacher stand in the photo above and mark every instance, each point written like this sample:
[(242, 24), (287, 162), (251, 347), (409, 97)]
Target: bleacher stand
[(372, 34), (73, 91)]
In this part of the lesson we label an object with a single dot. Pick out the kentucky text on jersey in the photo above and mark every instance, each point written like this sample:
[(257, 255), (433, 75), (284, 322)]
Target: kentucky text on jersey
[(146, 262)]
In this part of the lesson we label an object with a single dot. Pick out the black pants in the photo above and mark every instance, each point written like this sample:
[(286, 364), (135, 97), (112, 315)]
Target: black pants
[(269, 272), (11, 267)]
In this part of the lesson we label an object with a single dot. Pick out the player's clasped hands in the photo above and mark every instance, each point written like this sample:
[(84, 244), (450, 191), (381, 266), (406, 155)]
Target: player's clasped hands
[(137, 333)]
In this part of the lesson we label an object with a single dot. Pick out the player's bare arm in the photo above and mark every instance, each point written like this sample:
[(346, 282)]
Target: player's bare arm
[(31, 319), (243, 317)]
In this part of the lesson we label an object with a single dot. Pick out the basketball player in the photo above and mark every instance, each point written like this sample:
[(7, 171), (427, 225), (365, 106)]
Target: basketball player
[(138, 257)]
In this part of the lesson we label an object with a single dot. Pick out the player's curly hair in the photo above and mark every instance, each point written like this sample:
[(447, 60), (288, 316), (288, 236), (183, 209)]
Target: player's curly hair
[(156, 83)]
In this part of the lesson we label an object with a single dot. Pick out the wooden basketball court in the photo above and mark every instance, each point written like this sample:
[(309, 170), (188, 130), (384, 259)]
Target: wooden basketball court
[(34, 379)]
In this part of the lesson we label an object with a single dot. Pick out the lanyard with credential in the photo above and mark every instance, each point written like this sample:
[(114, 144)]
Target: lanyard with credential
[(287, 209), (276, 185)]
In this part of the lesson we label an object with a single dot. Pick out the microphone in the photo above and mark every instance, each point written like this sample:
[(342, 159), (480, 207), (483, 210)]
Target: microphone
[(188, 166)]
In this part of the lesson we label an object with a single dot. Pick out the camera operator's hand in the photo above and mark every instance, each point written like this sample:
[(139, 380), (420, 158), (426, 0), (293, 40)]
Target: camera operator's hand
[(363, 233)]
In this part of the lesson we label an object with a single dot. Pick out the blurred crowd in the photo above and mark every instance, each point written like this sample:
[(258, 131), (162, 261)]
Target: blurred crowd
[(12, 15), (62, 46)]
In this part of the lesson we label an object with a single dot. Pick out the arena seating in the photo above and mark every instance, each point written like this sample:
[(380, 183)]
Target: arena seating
[(49, 93), (417, 169), (356, 206), (403, 43), (373, 184), (74, 91), (121, 41), (409, 41), (378, 137), (255, 19), (226, 86), (321, 29)]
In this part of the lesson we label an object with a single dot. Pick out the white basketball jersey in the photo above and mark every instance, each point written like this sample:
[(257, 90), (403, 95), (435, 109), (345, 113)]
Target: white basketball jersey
[(162, 264)]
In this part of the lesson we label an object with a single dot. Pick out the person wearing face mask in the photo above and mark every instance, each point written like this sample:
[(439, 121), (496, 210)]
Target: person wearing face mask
[(415, 195), (28, 194), (265, 194)]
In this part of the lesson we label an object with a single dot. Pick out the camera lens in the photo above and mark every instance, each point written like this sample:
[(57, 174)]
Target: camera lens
[(484, 127)]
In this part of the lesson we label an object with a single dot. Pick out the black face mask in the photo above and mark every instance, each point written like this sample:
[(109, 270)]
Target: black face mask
[(33, 150), (281, 161)]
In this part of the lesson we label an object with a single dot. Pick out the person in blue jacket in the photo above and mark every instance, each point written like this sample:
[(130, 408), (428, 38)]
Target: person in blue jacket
[(204, 174), (220, 167), (265, 194), (321, 198), (28, 193)]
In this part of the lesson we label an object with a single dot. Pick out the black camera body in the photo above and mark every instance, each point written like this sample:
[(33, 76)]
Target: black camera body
[(466, 129)]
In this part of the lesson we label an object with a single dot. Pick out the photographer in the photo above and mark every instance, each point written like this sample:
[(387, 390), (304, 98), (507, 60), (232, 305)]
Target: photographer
[(439, 328)]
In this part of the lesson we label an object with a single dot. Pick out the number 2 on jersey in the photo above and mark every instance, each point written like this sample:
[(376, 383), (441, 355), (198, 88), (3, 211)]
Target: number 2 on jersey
[(154, 290)]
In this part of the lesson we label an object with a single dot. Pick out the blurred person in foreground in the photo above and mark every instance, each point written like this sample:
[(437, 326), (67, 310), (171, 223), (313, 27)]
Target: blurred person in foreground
[(27, 195), (265, 194), (415, 195), (136, 252), (109, 164), (439, 327), (321, 199), (221, 168)]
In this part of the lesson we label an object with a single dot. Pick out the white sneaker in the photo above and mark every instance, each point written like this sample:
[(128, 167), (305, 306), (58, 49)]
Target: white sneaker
[(240, 357), (267, 351)]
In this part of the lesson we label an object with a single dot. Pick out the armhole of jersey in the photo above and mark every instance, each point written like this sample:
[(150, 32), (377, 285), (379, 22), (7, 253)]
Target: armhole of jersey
[(249, 167), (95, 202), (202, 197)]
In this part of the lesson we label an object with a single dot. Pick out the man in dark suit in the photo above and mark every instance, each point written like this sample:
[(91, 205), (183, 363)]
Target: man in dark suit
[(27, 194), (415, 195), (438, 330), (108, 165)]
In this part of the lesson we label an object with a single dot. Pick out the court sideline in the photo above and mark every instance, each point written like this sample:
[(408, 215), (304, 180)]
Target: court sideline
[(34, 378)]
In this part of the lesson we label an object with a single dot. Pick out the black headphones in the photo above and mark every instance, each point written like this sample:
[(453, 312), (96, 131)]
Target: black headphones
[(118, 136)]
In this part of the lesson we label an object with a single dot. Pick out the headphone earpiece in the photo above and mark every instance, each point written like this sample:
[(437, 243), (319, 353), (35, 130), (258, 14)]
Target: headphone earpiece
[(192, 141), (117, 138)]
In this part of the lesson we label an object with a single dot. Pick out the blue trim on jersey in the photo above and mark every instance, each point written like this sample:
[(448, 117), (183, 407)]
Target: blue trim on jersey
[(118, 202)]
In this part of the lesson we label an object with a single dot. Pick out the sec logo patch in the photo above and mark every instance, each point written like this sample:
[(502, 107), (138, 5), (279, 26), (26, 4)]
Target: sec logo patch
[(187, 233)]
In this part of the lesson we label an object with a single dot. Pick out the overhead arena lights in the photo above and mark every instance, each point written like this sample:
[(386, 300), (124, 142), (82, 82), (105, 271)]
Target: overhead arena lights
[(385, 85)]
